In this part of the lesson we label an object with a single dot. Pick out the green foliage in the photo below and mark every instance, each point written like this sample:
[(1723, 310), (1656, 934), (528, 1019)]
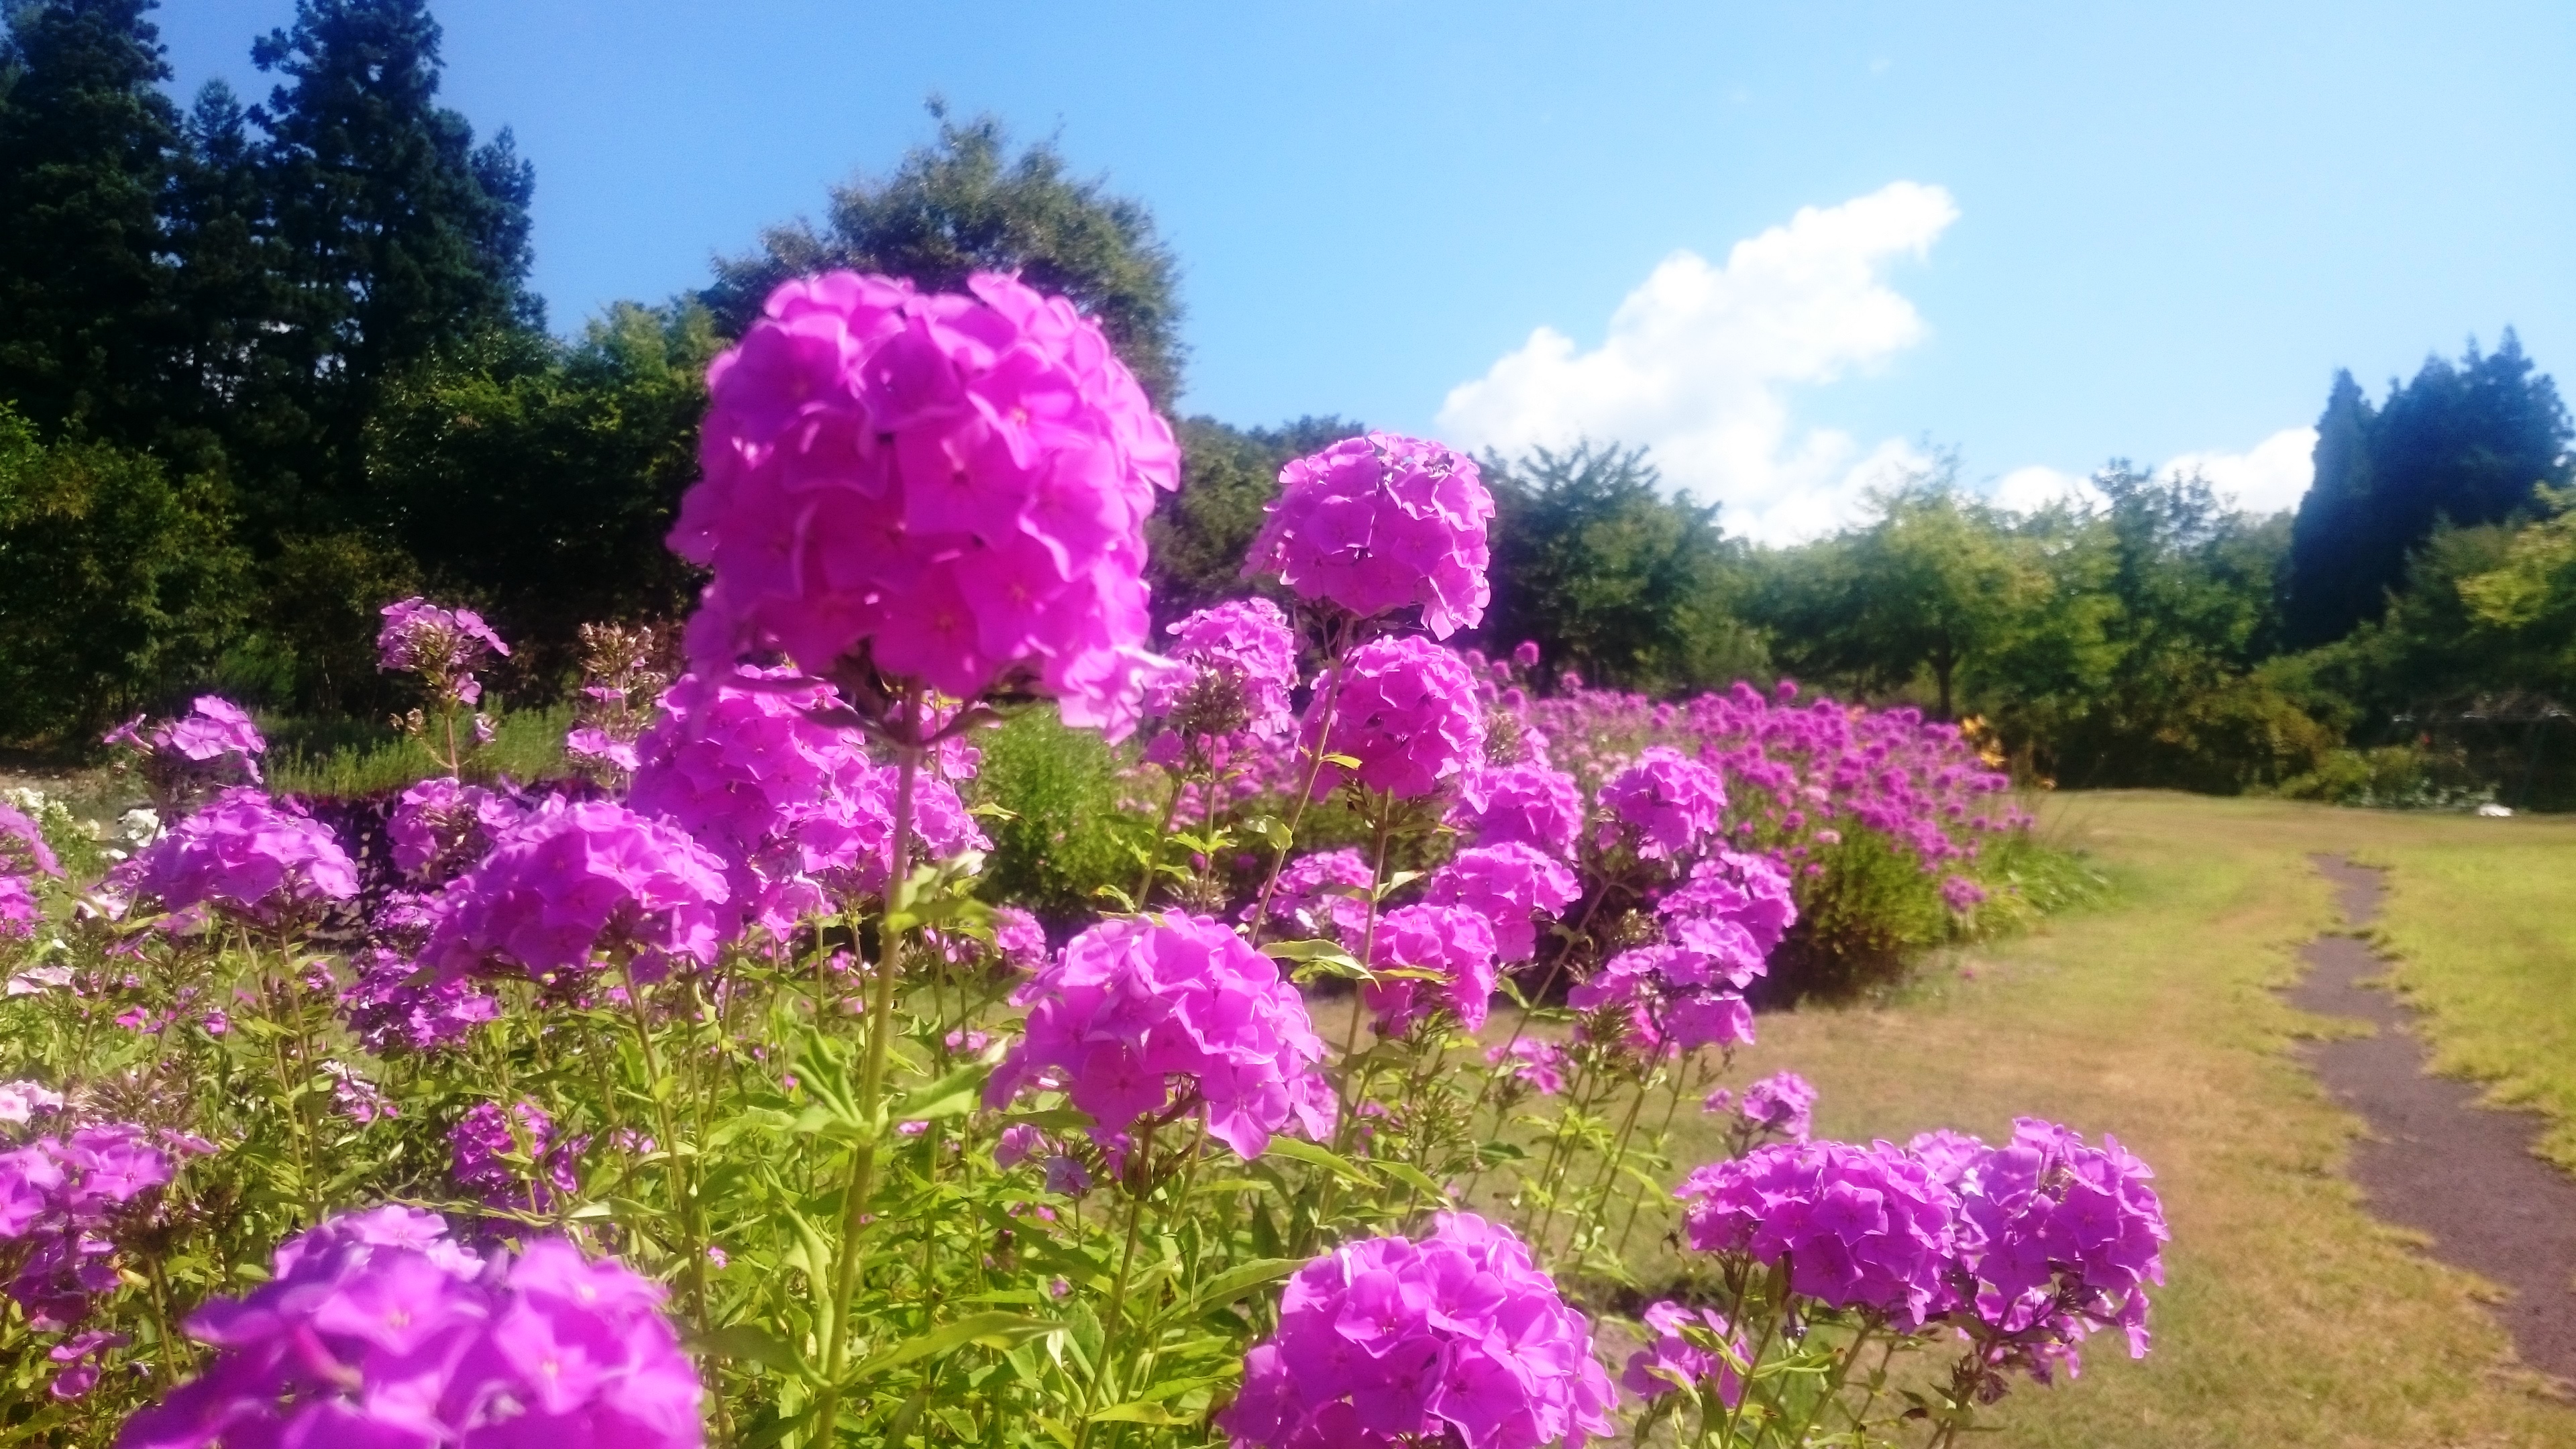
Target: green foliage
[(117, 584), (86, 138), (2464, 443), (1067, 831), (2391, 777), (1612, 575), (342, 758), (964, 204), (538, 479)]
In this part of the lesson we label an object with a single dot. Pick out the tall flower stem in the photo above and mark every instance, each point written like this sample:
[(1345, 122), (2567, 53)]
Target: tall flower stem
[(1114, 1333), (1663, 1135), (1337, 640), (1154, 848), (863, 1158)]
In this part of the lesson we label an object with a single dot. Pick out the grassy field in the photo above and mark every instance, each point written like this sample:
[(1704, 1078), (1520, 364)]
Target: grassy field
[(2483, 921), (2292, 1318)]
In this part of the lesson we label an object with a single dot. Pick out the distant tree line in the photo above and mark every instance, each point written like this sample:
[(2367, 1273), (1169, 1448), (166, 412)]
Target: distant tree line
[(263, 366)]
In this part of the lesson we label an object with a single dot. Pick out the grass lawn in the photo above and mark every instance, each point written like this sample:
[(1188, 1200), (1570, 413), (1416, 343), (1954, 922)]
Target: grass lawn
[(2292, 1318)]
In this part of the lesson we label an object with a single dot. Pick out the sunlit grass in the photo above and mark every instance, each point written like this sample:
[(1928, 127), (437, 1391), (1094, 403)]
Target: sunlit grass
[(354, 757), (2292, 1317)]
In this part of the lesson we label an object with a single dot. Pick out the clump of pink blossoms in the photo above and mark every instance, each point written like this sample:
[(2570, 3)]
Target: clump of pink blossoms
[(443, 646), (441, 824), (1671, 1359), (1783, 1102), (572, 880), (1867, 1228), (1669, 802), (243, 854), (1453, 948), (1162, 1016), (379, 1330), (1458, 1338), (484, 1140), (1381, 523), (953, 485), (212, 746), (1406, 710), (1325, 893), (1526, 804), (1511, 886)]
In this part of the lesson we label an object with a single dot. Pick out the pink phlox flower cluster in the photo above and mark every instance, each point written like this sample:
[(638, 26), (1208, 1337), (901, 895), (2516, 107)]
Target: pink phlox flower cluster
[(511, 1158), (1750, 893), (1536, 1064), (244, 854), (1671, 1359), (213, 746), (441, 824), (392, 1001), (1158, 1015), (1244, 644), (63, 1200), (958, 483), (1452, 945), (1670, 802), (443, 646), (575, 879), (378, 1330), (2056, 1237), (1405, 709), (23, 849), (1018, 938), (593, 748), (1867, 1228), (1783, 1102), (21, 1101), (1961, 894), (1512, 886), (1667, 999), (20, 911), (1381, 523), (356, 1098), (1322, 894), (1527, 804), (1459, 1338)]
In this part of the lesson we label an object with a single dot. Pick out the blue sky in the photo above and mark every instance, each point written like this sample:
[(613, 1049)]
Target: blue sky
[(2040, 234)]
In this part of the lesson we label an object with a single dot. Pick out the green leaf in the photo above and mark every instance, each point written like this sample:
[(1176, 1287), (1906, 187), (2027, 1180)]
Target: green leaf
[(1412, 1176), (993, 1330), (747, 1341), (1299, 1150), (951, 1095), (1140, 1411), (1233, 1283)]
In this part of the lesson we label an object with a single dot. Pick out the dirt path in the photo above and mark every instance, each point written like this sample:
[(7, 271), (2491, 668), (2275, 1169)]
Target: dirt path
[(2434, 1161)]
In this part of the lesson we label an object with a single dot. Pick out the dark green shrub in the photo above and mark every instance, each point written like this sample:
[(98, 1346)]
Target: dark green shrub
[(1068, 831)]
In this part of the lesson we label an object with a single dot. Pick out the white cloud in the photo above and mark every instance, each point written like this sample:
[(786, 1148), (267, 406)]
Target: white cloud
[(1698, 359), (2265, 478)]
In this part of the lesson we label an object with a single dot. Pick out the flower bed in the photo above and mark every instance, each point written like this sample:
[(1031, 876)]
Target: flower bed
[(708, 1101)]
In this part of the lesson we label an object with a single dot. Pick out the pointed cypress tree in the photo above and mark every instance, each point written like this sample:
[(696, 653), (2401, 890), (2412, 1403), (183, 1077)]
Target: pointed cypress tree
[(389, 239), (2324, 588), (2464, 444), (85, 145)]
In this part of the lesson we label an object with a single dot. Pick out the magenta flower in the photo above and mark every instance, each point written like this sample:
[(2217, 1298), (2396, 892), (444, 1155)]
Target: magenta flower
[(1381, 523), (214, 745), (1240, 664), (1539, 1065), (63, 1201), (20, 911), (1783, 1102), (1406, 710), (1527, 804), (1671, 1360), (955, 485), (1446, 957), (1512, 886), (1961, 894), (378, 1330), (22, 845), (483, 1140), (243, 854), (441, 824), (2056, 1238), (1671, 803), (1458, 1338), (1019, 938), (573, 880), (443, 646), (1166, 1015), (1325, 893), (1867, 1228)]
